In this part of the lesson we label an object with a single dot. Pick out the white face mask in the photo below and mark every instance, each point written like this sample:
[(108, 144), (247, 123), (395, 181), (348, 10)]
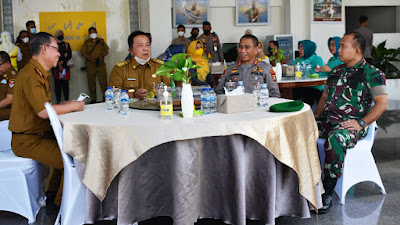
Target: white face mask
[(25, 39), (93, 35), (181, 33), (141, 61)]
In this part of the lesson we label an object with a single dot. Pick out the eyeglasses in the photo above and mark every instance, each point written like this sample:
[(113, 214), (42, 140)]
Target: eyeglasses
[(56, 48)]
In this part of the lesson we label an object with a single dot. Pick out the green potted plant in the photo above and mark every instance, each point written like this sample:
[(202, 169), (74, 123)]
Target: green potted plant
[(278, 56), (383, 59), (178, 70)]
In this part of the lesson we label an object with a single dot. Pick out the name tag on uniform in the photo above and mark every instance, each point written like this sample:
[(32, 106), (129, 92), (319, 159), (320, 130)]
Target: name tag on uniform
[(131, 79), (215, 48)]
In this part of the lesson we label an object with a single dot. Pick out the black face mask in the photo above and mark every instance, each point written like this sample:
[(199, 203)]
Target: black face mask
[(194, 36), (206, 32), (60, 38), (270, 50)]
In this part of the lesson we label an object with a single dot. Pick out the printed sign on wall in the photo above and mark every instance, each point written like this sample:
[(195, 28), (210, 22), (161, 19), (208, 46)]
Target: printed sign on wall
[(75, 25)]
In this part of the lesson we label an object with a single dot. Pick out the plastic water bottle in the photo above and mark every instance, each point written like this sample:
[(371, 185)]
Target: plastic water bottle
[(213, 100), (205, 101), (240, 85), (264, 95), (109, 99), (124, 103)]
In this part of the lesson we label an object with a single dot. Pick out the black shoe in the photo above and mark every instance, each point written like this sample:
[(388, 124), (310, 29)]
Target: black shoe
[(327, 203)]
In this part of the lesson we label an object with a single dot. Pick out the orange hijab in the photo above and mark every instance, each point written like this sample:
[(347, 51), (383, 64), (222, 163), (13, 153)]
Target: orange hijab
[(199, 59)]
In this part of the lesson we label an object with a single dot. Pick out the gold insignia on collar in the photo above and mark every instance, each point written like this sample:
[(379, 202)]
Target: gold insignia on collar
[(157, 61), (123, 63), (258, 69)]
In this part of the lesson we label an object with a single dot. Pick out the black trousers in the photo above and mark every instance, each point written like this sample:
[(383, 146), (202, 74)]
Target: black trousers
[(307, 95), (61, 84)]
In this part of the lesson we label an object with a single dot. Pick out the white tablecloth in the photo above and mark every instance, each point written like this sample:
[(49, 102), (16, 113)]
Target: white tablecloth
[(107, 142)]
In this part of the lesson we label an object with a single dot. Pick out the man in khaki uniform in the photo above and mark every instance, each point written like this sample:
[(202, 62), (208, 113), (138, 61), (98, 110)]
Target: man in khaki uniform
[(138, 71), (94, 50), (23, 45), (7, 82), (32, 135)]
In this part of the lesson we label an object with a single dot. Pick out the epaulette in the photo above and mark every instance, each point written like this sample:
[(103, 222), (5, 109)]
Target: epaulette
[(157, 61), (123, 63)]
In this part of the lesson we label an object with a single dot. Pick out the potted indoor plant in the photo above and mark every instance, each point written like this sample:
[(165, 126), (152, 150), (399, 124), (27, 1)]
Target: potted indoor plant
[(278, 56), (178, 70)]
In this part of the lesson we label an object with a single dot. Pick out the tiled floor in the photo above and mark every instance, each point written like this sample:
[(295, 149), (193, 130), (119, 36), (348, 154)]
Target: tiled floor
[(364, 203)]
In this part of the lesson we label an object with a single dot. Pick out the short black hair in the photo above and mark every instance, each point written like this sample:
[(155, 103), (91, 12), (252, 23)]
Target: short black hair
[(4, 57), (195, 28), (363, 19), (92, 28), (137, 33), (275, 43), (29, 22), (22, 31), (205, 23), (181, 26), (39, 39), (253, 38), (358, 40)]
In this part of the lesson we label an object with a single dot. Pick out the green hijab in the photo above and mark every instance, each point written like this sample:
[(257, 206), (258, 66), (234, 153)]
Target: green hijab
[(309, 48)]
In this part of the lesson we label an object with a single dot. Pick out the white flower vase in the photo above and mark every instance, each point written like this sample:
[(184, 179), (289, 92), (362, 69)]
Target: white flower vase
[(187, 101), (278, 71)]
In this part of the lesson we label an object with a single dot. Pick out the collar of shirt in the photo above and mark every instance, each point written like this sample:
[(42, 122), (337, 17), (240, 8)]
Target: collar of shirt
[(39, 68), (135, 64)]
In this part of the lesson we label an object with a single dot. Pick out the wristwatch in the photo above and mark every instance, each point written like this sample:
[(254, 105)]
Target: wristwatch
[(362, 123)]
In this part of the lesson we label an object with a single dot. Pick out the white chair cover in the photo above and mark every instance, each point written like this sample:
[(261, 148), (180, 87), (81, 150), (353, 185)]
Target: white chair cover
[(5, 136), (20, 185), (72, 211), (359, 165)]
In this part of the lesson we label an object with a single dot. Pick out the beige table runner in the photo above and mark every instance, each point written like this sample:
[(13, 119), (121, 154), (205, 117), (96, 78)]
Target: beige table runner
[(106, 142)]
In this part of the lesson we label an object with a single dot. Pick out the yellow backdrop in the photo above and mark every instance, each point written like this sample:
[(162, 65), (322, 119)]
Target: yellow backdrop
[(75, 25)]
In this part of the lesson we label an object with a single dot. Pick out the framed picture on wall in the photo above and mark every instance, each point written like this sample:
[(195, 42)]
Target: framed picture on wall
[(328, 11), (190, 13), (253, 12)]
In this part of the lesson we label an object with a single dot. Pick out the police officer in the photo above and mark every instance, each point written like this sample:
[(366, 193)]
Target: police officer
[(211, 44), (138, 71), (7, 82), (344, 110), (94, 50), (249, 69), (32, 135)]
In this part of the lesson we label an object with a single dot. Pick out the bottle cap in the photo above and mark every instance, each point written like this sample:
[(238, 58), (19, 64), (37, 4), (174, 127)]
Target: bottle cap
[(211, 89), (240, 82), (263, 85), (108, 88), (123, 91), (205, 89)]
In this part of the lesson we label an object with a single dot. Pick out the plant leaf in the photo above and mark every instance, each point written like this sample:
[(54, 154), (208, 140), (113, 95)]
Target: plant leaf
[(177, 75), (192, 75), (169, 64), (163, 70)]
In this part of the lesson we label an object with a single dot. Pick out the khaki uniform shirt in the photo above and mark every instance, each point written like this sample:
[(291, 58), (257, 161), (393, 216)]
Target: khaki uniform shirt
[(31, 91), (7, 83), (212, 46), (259, 71), (130, 73), (26, 54), (100, 48)]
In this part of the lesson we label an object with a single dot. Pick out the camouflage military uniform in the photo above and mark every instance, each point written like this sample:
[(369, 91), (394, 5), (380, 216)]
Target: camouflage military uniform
[(258, 71), (350, 95)]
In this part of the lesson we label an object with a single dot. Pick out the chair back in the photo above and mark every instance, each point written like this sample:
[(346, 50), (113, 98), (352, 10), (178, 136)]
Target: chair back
[(58, 131)]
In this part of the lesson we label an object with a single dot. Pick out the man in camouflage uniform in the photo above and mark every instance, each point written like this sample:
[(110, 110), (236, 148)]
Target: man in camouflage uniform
[(344, 111), (7, 83), (249, 69), (94, 49)]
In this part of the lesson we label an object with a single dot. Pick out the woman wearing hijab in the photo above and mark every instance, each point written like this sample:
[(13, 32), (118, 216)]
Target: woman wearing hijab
[(334, 61), (307, 56), (203, 77), (62, 71)]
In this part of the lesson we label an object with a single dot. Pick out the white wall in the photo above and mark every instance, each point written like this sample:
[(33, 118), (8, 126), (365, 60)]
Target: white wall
[(117, 23)]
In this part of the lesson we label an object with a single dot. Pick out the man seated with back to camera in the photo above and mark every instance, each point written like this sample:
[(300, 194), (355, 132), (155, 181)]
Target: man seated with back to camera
[(249, 69), (344, 110)]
